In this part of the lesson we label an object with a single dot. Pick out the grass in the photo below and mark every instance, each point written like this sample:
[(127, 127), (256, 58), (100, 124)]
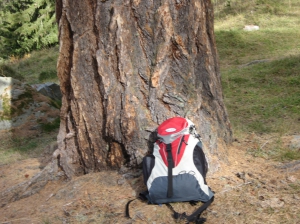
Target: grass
[(33, 68), (51, 126), (261, 80), (36, 67), (289, 155), (271, 92), (47, 75), (14, 148), (260, 69), (274, 149), (8, 71)]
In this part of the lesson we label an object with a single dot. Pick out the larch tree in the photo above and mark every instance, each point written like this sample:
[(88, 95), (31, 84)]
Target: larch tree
[(124, 67), (127, 65)]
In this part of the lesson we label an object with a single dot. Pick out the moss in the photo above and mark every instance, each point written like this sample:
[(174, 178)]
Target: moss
[(56, 103), (14, 107), (27, 95), (51, 126), (7, 111)]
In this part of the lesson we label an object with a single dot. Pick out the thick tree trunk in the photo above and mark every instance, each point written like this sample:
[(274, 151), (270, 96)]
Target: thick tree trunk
[(127, 65)]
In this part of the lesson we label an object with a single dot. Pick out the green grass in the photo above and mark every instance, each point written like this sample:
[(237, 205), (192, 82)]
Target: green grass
[(238, 47), (47, 76), (36, 67), (290, 155), (295, 186), (273, 149), (260, 69), (51, 126), (7, 71), (263, 96), (14, 148)]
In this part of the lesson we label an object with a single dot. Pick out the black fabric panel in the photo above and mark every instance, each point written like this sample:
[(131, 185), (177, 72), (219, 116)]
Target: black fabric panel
[(148, 164), (185, 188), (170, 171), (200, 160)]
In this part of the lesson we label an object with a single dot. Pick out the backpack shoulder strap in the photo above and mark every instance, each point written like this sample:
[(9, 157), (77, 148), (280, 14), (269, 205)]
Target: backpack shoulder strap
[(195, 216), (170, 169)]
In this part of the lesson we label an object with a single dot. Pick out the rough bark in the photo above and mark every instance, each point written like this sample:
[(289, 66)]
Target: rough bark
[(127, 65)]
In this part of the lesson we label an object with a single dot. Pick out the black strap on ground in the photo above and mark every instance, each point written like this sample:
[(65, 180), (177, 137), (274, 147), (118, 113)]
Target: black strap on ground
[(127, 208), (142, 196), (195, 216), (170, 168)]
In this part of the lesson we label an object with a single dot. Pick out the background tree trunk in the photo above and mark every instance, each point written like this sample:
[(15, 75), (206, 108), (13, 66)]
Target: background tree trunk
[(127, 65)]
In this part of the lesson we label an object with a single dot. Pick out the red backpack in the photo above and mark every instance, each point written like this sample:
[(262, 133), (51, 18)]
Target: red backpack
[(176, 170)]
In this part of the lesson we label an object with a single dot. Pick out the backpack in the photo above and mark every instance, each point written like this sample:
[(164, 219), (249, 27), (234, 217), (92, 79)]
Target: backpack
[(176, 170)]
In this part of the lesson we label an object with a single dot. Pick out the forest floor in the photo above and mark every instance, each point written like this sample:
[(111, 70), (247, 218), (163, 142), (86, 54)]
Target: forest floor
[(248, 189)]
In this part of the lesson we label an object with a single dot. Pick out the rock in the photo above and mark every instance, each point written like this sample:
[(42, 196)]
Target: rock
[(296, 197), (251, 27), (49, 89), (5, 124), (241, 175), (273, 203), (291, 179), (295, 142), (215, 213), (121, 181), (290, 166), (23, 109)]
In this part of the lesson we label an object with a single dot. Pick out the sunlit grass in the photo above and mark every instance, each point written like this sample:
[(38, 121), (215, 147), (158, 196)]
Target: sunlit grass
[(260, 69), (36, 67), (14, 148)]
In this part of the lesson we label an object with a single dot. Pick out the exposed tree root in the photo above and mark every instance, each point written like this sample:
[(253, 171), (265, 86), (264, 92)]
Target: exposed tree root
[(32, 186), (291, 166)]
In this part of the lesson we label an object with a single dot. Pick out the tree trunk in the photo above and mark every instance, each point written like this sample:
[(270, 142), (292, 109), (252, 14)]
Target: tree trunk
[(127, 65)]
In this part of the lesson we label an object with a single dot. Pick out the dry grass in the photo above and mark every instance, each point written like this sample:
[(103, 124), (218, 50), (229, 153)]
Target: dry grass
[(267, 194)]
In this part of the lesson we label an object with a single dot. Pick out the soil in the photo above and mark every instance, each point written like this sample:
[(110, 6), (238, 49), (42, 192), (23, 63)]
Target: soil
[(248, 189)]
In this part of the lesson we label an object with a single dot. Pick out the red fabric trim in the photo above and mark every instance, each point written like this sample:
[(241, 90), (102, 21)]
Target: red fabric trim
[(172, 125), (175, 149)]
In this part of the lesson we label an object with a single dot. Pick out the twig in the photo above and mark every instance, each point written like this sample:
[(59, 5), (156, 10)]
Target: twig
[(264, 144), (51, 195), (240, 185), (68, 203)]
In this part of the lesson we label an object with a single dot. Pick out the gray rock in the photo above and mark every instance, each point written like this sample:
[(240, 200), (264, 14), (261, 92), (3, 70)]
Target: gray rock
[(23, 109), (49, 89), (5, 124), (295, 142)]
